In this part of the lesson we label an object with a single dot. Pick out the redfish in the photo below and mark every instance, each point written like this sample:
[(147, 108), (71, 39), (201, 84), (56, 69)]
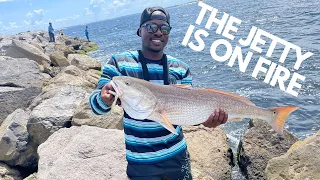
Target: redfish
[(184, 105)]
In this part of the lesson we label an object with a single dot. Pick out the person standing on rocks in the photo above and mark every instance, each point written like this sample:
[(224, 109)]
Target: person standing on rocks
[(152, 151), (87, 33), (51, 33)]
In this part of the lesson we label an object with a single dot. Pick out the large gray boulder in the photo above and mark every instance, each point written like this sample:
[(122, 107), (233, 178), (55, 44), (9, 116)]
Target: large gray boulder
[(74, 76), (20, 49), (85, 116), (210, 154), (42, 40), (302, 161), (58, 59), (16, 148), (258, 145), (82, 153), (31, 177), (53, 110), (65, 49), (5, 42), (49, 48), (9, 173), (19, 72), (20, 83), (84, 62)]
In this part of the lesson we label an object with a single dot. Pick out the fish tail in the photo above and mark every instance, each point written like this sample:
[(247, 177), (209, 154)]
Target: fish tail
[(281, 115)]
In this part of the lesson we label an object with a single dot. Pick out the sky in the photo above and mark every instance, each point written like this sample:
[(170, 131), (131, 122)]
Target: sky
[(23, 15)]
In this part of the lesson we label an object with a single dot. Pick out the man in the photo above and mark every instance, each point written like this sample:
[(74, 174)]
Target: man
[(51, 33), (87, 33), (152, 151)]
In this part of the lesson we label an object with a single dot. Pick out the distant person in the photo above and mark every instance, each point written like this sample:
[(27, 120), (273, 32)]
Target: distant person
[(61, 32), (51, 33), (87, 33)]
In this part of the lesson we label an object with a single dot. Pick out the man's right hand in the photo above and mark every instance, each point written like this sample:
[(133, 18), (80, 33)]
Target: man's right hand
[(106, 97)]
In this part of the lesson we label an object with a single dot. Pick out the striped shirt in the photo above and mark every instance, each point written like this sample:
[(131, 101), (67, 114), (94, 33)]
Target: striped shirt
[(146, 141)]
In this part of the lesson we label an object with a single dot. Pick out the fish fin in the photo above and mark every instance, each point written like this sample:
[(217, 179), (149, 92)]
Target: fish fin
[(229, 94), (281, 115), (184, 86), (168, 125)]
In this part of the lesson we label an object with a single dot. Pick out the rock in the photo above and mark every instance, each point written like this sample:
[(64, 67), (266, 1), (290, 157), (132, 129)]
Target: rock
[(72, 42), (16, 149), (211, 156), (20, 83), (80, 52), (49, 49), (85, 116), (8, 173), (53, 110), (74, 76), (31, 177), (6, 40), (52, 71), (89, 46), (26, 50), (19, 72), (57, 58), (65, 49), (12, 98), (302, 161), (25, 36), (36, 44), (8, 50), (258, 146), (41, 39), (83, 153), (84, 62), (46, 77)]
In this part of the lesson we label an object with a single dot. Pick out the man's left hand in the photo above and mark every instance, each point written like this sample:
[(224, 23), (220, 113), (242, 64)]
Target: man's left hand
[(217, 118)]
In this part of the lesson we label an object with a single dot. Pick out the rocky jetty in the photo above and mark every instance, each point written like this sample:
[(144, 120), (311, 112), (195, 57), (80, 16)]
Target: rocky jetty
[(48, 131)]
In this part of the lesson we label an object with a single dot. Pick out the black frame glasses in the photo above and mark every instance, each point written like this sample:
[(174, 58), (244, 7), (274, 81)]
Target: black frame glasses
[(153, 28)]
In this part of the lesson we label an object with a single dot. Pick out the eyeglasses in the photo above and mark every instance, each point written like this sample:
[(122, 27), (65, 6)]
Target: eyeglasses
[(153, 28)]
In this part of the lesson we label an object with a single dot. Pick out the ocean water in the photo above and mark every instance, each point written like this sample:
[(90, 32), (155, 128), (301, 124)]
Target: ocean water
[(296, 21)]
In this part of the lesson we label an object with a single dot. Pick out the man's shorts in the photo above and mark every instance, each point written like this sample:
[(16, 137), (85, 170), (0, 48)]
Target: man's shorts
[(175, 168)]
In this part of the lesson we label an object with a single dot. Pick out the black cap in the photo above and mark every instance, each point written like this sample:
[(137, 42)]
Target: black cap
[(156, 12)]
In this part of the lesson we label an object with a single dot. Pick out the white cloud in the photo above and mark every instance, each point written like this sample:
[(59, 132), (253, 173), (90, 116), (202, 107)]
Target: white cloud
[(13, 25), (95, 8), (35, 17), (119, 3), (28, 1), (30, 14), (88, 12), (73, 17), (27, 22), (97, 2), (5, 0), (39, 11)]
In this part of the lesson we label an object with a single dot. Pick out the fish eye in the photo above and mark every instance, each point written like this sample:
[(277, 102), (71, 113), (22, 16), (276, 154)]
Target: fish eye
[(127, 83), (274, 112)]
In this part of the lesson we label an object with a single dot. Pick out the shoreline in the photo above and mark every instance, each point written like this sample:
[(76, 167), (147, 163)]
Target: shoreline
[(47, 125)]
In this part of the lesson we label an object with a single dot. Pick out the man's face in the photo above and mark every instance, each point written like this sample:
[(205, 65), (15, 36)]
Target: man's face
[(154, 42)]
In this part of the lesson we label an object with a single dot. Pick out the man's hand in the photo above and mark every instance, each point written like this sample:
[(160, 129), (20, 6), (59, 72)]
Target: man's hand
[(217, 118), (106, 97)]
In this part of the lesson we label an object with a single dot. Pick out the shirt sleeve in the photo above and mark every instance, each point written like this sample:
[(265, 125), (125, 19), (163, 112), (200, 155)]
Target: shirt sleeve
[(108, 71)]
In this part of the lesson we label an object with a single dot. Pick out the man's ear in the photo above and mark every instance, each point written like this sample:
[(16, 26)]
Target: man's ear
[(139, 32)]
